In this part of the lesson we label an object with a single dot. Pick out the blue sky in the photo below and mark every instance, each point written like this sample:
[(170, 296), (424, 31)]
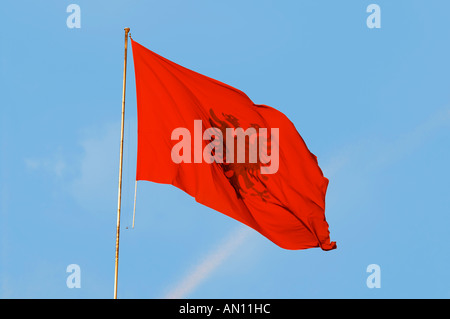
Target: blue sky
[(372, 104)]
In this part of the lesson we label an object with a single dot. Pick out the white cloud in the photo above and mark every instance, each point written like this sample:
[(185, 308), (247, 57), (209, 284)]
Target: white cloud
[(97, 167), (411, 140), (95, 184), (209, 264), (53, 164)]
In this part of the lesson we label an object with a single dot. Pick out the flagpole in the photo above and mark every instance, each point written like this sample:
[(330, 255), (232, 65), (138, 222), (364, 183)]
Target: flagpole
[(116, 270)]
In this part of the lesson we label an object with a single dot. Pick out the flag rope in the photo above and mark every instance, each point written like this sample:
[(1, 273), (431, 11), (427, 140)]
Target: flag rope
[(134, 206)]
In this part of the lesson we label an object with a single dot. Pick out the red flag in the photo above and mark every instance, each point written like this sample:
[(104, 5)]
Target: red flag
[(244, 160)]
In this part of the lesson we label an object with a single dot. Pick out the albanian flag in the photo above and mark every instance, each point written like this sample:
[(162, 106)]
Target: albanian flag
[(244, 160)]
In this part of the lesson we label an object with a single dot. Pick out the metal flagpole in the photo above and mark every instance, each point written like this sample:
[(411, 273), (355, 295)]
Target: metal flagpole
[(116, 271)]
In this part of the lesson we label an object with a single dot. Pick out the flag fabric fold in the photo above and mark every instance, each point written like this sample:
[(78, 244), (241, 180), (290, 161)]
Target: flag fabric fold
[(244, 160)]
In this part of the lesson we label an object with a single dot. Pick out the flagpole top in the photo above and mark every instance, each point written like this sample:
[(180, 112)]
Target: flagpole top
[(127, 30)]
